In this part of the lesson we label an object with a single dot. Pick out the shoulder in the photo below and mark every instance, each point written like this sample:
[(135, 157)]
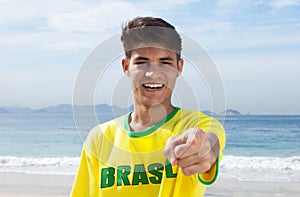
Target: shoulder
[(195, 118), (193, 115)]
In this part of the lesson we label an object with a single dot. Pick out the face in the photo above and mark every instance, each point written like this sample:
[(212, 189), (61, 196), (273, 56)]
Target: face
[(153, 73)]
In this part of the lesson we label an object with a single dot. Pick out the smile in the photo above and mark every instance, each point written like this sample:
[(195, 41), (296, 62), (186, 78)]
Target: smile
[(153, 86)]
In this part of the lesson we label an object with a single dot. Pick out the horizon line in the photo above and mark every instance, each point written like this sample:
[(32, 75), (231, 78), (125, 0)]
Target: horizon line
[(204, 110)]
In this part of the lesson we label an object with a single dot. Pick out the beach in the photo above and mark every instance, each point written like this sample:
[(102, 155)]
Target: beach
[(226, 187), (14, 184), (40, 153), (32, 185)]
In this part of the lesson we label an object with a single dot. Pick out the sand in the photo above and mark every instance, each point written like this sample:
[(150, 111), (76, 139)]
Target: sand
[(33, 185), (25, 185), (225, 187)]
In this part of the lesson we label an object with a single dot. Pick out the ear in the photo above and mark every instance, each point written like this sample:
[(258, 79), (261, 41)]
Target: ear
[(180, 66), (125, 66)]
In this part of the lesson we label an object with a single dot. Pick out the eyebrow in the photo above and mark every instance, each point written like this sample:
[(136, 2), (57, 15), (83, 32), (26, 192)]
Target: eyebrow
[(141, 58), (168, 58)]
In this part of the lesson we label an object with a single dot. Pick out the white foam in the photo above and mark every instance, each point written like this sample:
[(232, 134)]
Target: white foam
[(261, 168), (8, 161), (237, 167), (39, 165)]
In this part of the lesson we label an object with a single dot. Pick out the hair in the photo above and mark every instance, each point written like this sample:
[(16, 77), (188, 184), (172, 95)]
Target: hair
[(149, 31)]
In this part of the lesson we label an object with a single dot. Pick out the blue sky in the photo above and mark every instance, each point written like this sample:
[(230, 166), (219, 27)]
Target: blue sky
[(255, 44)]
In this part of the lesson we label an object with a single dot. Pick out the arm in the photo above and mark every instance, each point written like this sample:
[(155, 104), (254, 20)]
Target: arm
[(86, 180)]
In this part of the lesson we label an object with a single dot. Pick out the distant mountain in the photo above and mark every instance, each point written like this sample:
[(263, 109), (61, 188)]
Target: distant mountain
[(107, 109), (230, 112), (61, 108), (209, 113), (3, 111), (67, 108), (15, 109), (103, 109)]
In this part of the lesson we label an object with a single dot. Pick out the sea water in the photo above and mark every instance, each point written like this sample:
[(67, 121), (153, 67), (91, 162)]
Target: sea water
[(258, 147), (262, 147)]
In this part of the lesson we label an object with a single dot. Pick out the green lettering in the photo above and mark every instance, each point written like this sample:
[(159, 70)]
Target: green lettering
[(107, 177), (169, 170), (154, 170), (139, 175), (122, 174)]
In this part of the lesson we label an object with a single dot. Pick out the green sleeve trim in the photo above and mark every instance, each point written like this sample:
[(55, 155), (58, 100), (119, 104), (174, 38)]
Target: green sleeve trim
[(151, 129), (215, 177)]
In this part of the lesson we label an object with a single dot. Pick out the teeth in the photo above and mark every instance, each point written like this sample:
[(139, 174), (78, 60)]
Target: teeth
[(153, 85)]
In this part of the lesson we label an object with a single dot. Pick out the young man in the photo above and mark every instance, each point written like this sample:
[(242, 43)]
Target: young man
[(158, 149)]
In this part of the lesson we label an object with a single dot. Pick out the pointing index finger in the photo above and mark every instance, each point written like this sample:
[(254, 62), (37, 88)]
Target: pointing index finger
[(169, 151)]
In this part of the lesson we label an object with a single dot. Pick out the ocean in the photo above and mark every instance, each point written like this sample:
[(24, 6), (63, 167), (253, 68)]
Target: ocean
[(258, 147)]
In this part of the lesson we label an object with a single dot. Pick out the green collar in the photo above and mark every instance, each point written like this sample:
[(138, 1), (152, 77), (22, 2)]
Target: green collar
[(151, 129)]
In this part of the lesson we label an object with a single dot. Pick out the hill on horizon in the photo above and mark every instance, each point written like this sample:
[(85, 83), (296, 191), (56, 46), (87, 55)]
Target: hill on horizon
[(99, 108)]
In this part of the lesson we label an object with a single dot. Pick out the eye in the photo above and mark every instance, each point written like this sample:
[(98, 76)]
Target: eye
[(166, 63), (140, 63)]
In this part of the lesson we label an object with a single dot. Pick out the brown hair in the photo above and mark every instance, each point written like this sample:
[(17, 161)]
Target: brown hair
[(148, 31)]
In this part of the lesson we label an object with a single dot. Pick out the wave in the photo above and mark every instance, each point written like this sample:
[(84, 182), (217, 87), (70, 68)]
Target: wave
[(261, 168), (238, 167), (39, 165), (275, 163), (228, 162), (11, 161)]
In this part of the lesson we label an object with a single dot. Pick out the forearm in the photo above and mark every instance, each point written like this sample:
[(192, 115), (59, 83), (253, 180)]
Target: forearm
[(215, 146)]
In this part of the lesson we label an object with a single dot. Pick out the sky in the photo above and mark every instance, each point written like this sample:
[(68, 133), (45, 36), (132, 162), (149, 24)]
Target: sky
[(255, 45)]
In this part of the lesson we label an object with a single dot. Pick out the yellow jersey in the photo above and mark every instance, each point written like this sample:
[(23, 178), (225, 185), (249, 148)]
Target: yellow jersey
[(118, 162)]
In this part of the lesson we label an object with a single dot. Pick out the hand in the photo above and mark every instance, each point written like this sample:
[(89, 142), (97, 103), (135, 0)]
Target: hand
[(194, 151)]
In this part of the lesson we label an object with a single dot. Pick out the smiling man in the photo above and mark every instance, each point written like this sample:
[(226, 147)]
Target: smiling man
[(158, 149)]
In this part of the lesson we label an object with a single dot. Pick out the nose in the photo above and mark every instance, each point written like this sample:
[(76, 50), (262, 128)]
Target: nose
[(153, 70), (149, 73)]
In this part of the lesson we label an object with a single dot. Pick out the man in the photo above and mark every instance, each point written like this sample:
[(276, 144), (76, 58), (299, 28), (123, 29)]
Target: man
[(158, 149)]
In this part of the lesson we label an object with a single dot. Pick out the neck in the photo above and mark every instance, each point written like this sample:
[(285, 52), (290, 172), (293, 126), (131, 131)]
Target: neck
[(144, 117)]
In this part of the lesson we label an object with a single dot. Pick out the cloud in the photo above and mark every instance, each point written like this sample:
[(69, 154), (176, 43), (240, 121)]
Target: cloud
[(75, 25), (15, 11), (102, 16), (250, 39), (206, 25), (228, 7), (277, 4), (98, 18), (66, 24), (63, 24), (47, 40), (68, 15), (228, 3)]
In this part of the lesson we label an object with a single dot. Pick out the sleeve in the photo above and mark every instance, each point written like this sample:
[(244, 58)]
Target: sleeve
[(86, 182), (211, 176), (210, 124)]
